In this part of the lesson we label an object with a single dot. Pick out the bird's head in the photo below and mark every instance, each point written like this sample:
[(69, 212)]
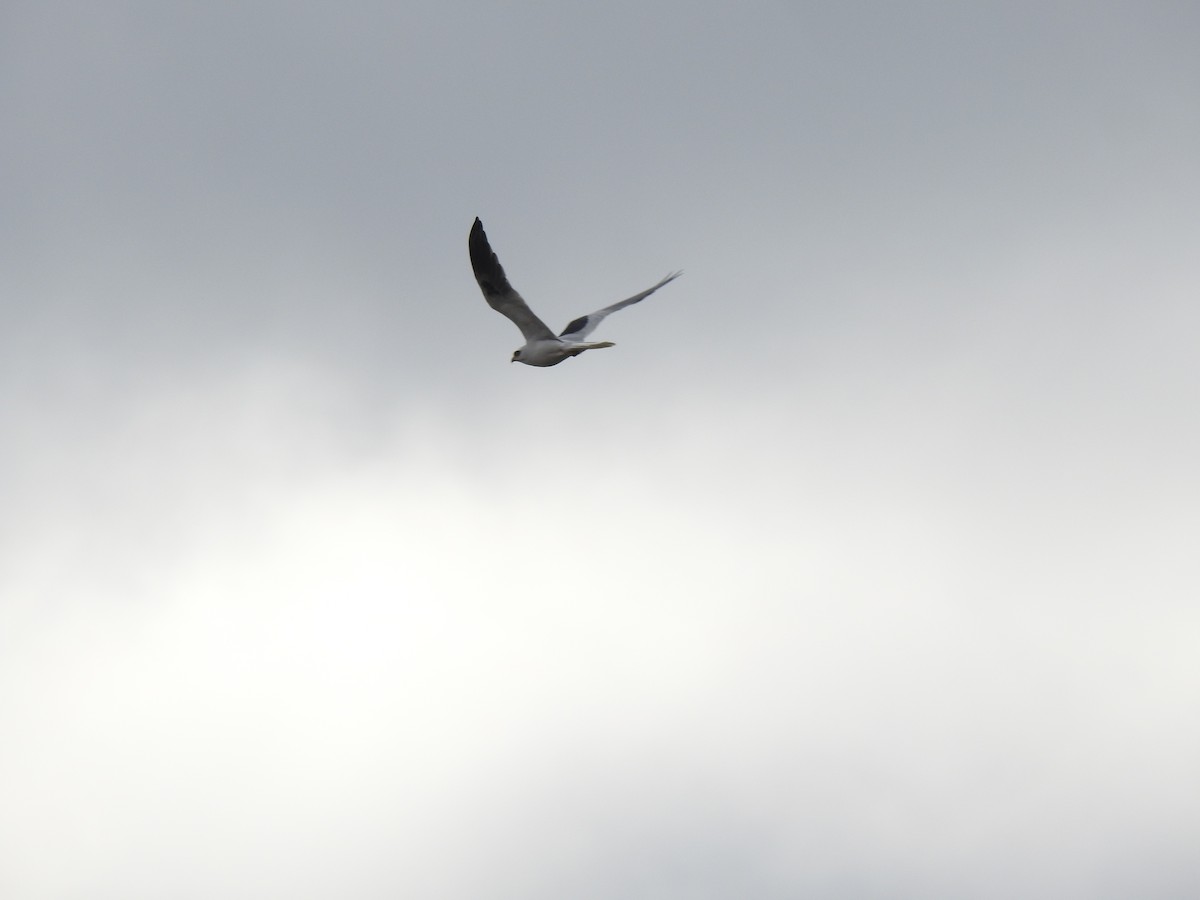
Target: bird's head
[(516, 356)]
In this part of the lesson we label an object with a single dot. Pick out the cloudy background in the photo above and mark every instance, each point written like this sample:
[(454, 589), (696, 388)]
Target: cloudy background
[(864, 566)]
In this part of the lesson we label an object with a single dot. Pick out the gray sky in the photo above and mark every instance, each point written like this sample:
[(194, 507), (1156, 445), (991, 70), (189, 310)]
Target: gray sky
[(863, 566)]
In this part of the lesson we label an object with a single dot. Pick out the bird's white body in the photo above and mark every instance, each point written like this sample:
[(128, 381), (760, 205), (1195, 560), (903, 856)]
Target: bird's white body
[(542, 346), (551, 353)]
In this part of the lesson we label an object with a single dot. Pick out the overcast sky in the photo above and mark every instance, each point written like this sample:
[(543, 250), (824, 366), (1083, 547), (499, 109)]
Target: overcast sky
[(864, 565)]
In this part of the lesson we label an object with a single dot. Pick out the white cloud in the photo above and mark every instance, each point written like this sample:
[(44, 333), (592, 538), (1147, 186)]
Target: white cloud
[(247, 653)]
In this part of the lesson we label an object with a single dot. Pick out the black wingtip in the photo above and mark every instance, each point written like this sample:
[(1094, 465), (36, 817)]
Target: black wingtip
[(486, 266), (477, 236), (481, 251)]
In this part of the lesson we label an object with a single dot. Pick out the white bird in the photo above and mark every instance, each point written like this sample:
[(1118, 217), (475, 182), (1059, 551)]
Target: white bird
[(542, 346)]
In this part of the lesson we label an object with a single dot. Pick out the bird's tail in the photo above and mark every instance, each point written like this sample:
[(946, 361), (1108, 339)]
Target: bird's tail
[(578, 347)]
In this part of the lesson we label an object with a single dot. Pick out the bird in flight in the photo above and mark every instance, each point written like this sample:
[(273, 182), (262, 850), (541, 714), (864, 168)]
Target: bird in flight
[(542, 346)]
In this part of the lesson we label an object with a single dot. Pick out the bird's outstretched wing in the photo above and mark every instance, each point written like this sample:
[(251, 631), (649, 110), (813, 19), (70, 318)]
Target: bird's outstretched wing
[(498, 292), (585, 325)]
